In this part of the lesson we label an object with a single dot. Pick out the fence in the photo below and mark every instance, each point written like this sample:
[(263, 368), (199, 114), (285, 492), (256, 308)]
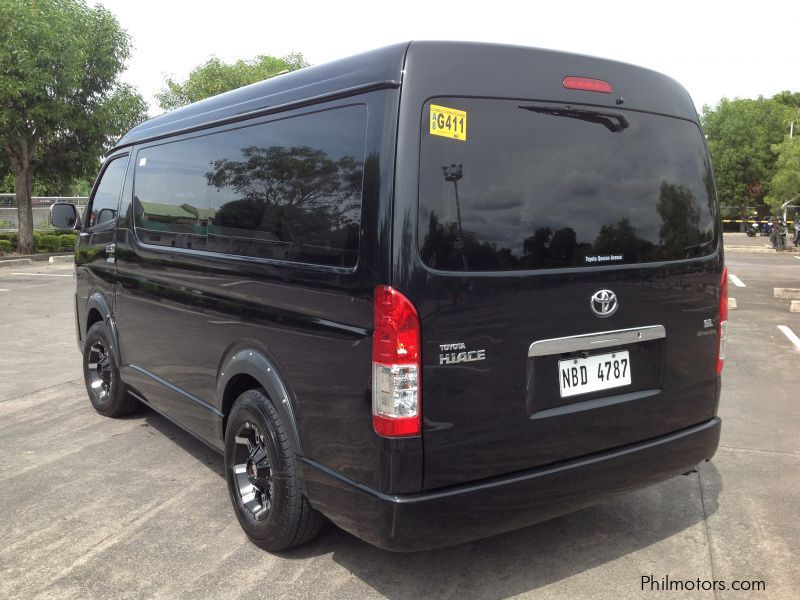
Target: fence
[(9, 220)]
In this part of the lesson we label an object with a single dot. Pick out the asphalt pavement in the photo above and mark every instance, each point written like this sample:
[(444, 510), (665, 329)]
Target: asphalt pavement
[(134, 508)]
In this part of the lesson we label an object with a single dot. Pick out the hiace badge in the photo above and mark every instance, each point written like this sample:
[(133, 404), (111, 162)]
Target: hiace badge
[(453, 354)]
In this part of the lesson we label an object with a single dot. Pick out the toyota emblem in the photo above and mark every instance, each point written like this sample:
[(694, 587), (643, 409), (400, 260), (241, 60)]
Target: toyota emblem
[(604, 303)]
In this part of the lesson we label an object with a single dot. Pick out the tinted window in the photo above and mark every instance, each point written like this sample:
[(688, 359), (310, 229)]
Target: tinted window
[(171, 194), (288, 189), (543, 185), (105, 202)]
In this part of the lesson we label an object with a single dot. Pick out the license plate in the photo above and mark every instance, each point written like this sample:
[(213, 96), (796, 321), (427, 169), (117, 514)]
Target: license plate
[(593, 373)]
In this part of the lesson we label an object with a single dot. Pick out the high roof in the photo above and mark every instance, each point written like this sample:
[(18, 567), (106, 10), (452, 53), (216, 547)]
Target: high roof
[(434, 68), (371, 70)]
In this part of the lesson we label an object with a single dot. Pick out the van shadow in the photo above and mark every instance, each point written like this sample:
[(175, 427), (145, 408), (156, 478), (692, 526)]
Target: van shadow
[(524, 560), (201, 452), (543, 554)]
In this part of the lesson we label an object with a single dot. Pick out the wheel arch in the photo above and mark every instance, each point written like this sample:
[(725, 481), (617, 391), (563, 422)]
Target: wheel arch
[(246, 368), (97, 310)]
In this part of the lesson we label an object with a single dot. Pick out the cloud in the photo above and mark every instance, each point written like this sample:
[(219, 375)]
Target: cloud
[(492, 198)]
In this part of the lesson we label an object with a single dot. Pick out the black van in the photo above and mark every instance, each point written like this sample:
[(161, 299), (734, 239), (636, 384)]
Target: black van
[(433, 292)]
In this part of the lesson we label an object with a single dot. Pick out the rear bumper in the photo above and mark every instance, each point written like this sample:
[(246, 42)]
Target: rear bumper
[(467, 512)]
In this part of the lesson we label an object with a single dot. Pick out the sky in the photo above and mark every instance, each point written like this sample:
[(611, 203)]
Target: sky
[(714, 48)]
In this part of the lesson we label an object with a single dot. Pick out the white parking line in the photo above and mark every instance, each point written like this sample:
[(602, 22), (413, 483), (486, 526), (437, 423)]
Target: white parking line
[(4, 290), (45, 274), (791, 335), (736, 281)]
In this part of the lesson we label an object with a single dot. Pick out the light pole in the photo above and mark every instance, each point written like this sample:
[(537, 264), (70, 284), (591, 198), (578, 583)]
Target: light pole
[(786, 204), (454, 173)]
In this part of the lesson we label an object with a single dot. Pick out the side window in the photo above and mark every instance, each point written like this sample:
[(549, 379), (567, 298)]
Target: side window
[(288, 189), (291, 189), (105, 201), (170, 194)]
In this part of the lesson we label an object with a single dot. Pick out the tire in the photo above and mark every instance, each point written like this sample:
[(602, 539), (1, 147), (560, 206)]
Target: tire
[(262, 475), (106, 390)]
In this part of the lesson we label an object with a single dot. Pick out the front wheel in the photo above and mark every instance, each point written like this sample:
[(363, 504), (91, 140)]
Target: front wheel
[(262, 475), (101, 375)]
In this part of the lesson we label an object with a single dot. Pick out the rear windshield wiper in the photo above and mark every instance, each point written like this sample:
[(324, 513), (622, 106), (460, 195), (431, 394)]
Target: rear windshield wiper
[(700, 245), (613, 121)]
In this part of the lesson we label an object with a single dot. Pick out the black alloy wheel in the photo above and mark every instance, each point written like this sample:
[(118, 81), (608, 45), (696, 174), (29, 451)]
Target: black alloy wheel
[(99, 368), (252, 471), (105, 388), (261, 468)]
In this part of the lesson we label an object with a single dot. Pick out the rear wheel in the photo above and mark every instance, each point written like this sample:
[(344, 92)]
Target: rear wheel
[(263, 482), (101, 375)]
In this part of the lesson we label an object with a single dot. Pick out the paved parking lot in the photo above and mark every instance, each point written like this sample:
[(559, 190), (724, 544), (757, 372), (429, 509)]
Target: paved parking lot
[(94, 508)]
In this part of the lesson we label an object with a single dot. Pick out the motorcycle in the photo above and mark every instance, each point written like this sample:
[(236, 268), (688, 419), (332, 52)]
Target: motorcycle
[(796, 239), (752, 229), (778, 237)]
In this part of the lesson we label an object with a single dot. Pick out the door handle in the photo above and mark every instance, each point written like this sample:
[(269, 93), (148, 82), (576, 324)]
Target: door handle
[(110, 248)]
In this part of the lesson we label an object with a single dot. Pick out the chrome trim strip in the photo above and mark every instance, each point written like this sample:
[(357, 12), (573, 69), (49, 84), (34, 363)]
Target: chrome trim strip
[(590, 341)]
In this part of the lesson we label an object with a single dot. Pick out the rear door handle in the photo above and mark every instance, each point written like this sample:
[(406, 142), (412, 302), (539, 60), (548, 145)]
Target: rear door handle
[(110, 248)]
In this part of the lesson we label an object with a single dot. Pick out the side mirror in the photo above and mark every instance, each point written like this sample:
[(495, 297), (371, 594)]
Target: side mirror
[(106, 214), (64, 216)]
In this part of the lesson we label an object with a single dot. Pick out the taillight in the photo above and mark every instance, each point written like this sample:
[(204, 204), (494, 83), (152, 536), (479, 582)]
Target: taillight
[(587, 84), (723, 321), (396, 398)]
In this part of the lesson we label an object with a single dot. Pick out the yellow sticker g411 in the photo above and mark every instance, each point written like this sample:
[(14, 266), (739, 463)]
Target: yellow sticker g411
[(449, 122)]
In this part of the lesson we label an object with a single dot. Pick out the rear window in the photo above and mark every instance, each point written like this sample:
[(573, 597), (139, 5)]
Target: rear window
[(532, 185)]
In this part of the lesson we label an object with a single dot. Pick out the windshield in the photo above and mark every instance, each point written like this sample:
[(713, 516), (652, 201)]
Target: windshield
[(541, 185)]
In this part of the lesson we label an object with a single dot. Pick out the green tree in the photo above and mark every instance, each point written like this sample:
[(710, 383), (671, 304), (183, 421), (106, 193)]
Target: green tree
[(785, 184), (741, 134), (215, 77), (61, 103), (6, 176), (787, 98)]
